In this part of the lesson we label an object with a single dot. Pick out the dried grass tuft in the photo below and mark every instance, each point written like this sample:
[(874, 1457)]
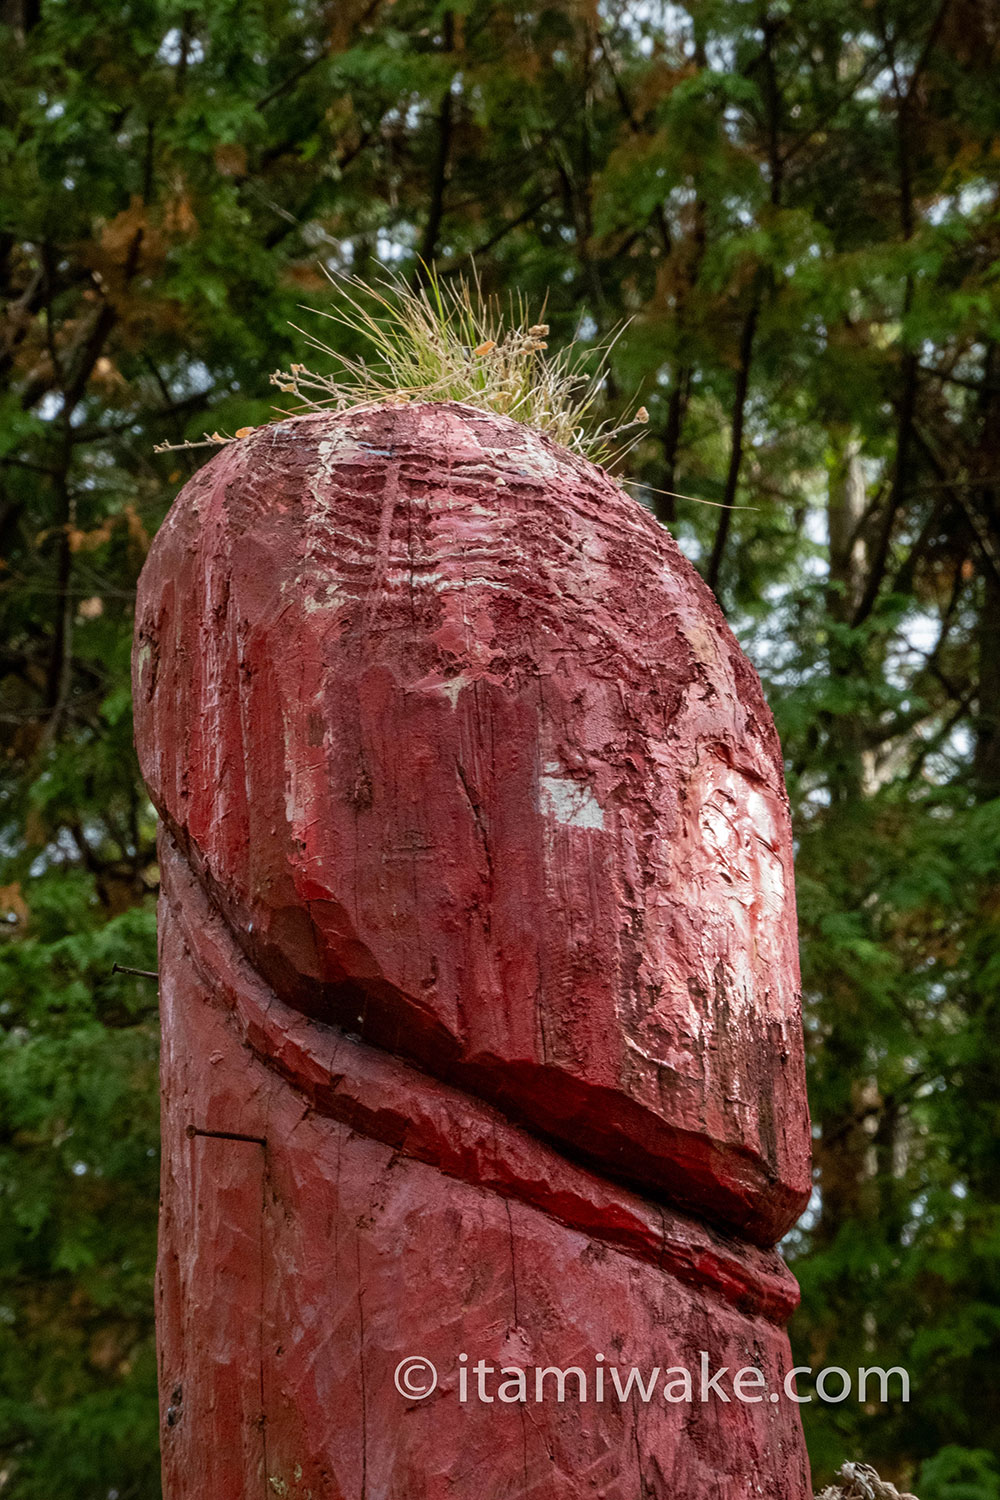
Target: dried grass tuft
[(446, 341)]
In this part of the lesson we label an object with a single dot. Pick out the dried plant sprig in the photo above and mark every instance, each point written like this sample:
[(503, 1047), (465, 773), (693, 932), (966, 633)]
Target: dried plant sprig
[(446, 341), (210, 440)]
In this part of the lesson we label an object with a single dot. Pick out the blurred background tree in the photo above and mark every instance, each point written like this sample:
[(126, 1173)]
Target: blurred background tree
[(796, 203)]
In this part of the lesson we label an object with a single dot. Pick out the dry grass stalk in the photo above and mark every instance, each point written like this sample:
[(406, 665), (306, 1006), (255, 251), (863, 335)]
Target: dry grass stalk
[(446, 341)]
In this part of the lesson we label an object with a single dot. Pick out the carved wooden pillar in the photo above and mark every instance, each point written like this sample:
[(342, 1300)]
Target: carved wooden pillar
[(480, 985)]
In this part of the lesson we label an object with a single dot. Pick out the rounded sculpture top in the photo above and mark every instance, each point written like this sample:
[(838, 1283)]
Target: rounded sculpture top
[(464, 751)]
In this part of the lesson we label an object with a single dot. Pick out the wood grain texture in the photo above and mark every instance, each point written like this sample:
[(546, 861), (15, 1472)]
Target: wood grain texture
[(476, 850)]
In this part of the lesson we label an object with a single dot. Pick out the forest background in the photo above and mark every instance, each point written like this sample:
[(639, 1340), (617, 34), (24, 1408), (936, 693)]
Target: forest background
[(796, 206)]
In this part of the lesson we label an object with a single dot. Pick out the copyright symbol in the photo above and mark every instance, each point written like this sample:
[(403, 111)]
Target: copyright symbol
[(415, 1377)]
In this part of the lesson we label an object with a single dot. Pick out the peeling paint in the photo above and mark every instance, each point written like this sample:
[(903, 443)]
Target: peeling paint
[(568, 801)]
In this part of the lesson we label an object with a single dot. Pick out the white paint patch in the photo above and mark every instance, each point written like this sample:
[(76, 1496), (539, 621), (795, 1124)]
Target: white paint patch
[(568, 801), (442, 585), (446, 505), (328, 597), (770, 870), (533, 459), (342, 446), (453, 687)]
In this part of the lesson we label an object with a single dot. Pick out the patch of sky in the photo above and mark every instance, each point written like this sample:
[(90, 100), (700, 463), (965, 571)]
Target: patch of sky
[(173, 48), (973, 196)]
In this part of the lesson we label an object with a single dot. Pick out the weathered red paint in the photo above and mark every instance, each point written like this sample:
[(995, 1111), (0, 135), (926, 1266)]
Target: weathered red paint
[(478, 909)]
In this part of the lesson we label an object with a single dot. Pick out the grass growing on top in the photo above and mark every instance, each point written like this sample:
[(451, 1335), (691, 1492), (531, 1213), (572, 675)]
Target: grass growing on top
[(445, 341)]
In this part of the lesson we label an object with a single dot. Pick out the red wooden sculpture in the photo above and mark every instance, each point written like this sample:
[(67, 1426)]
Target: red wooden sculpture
[(480, 986)]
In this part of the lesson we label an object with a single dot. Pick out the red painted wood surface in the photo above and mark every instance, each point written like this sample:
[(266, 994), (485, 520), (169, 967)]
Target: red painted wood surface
[(478, 909)]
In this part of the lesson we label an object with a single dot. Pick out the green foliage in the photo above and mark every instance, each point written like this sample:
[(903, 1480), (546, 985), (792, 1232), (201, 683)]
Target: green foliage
[(794, 209), (78, 1169), (960, 1474)]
